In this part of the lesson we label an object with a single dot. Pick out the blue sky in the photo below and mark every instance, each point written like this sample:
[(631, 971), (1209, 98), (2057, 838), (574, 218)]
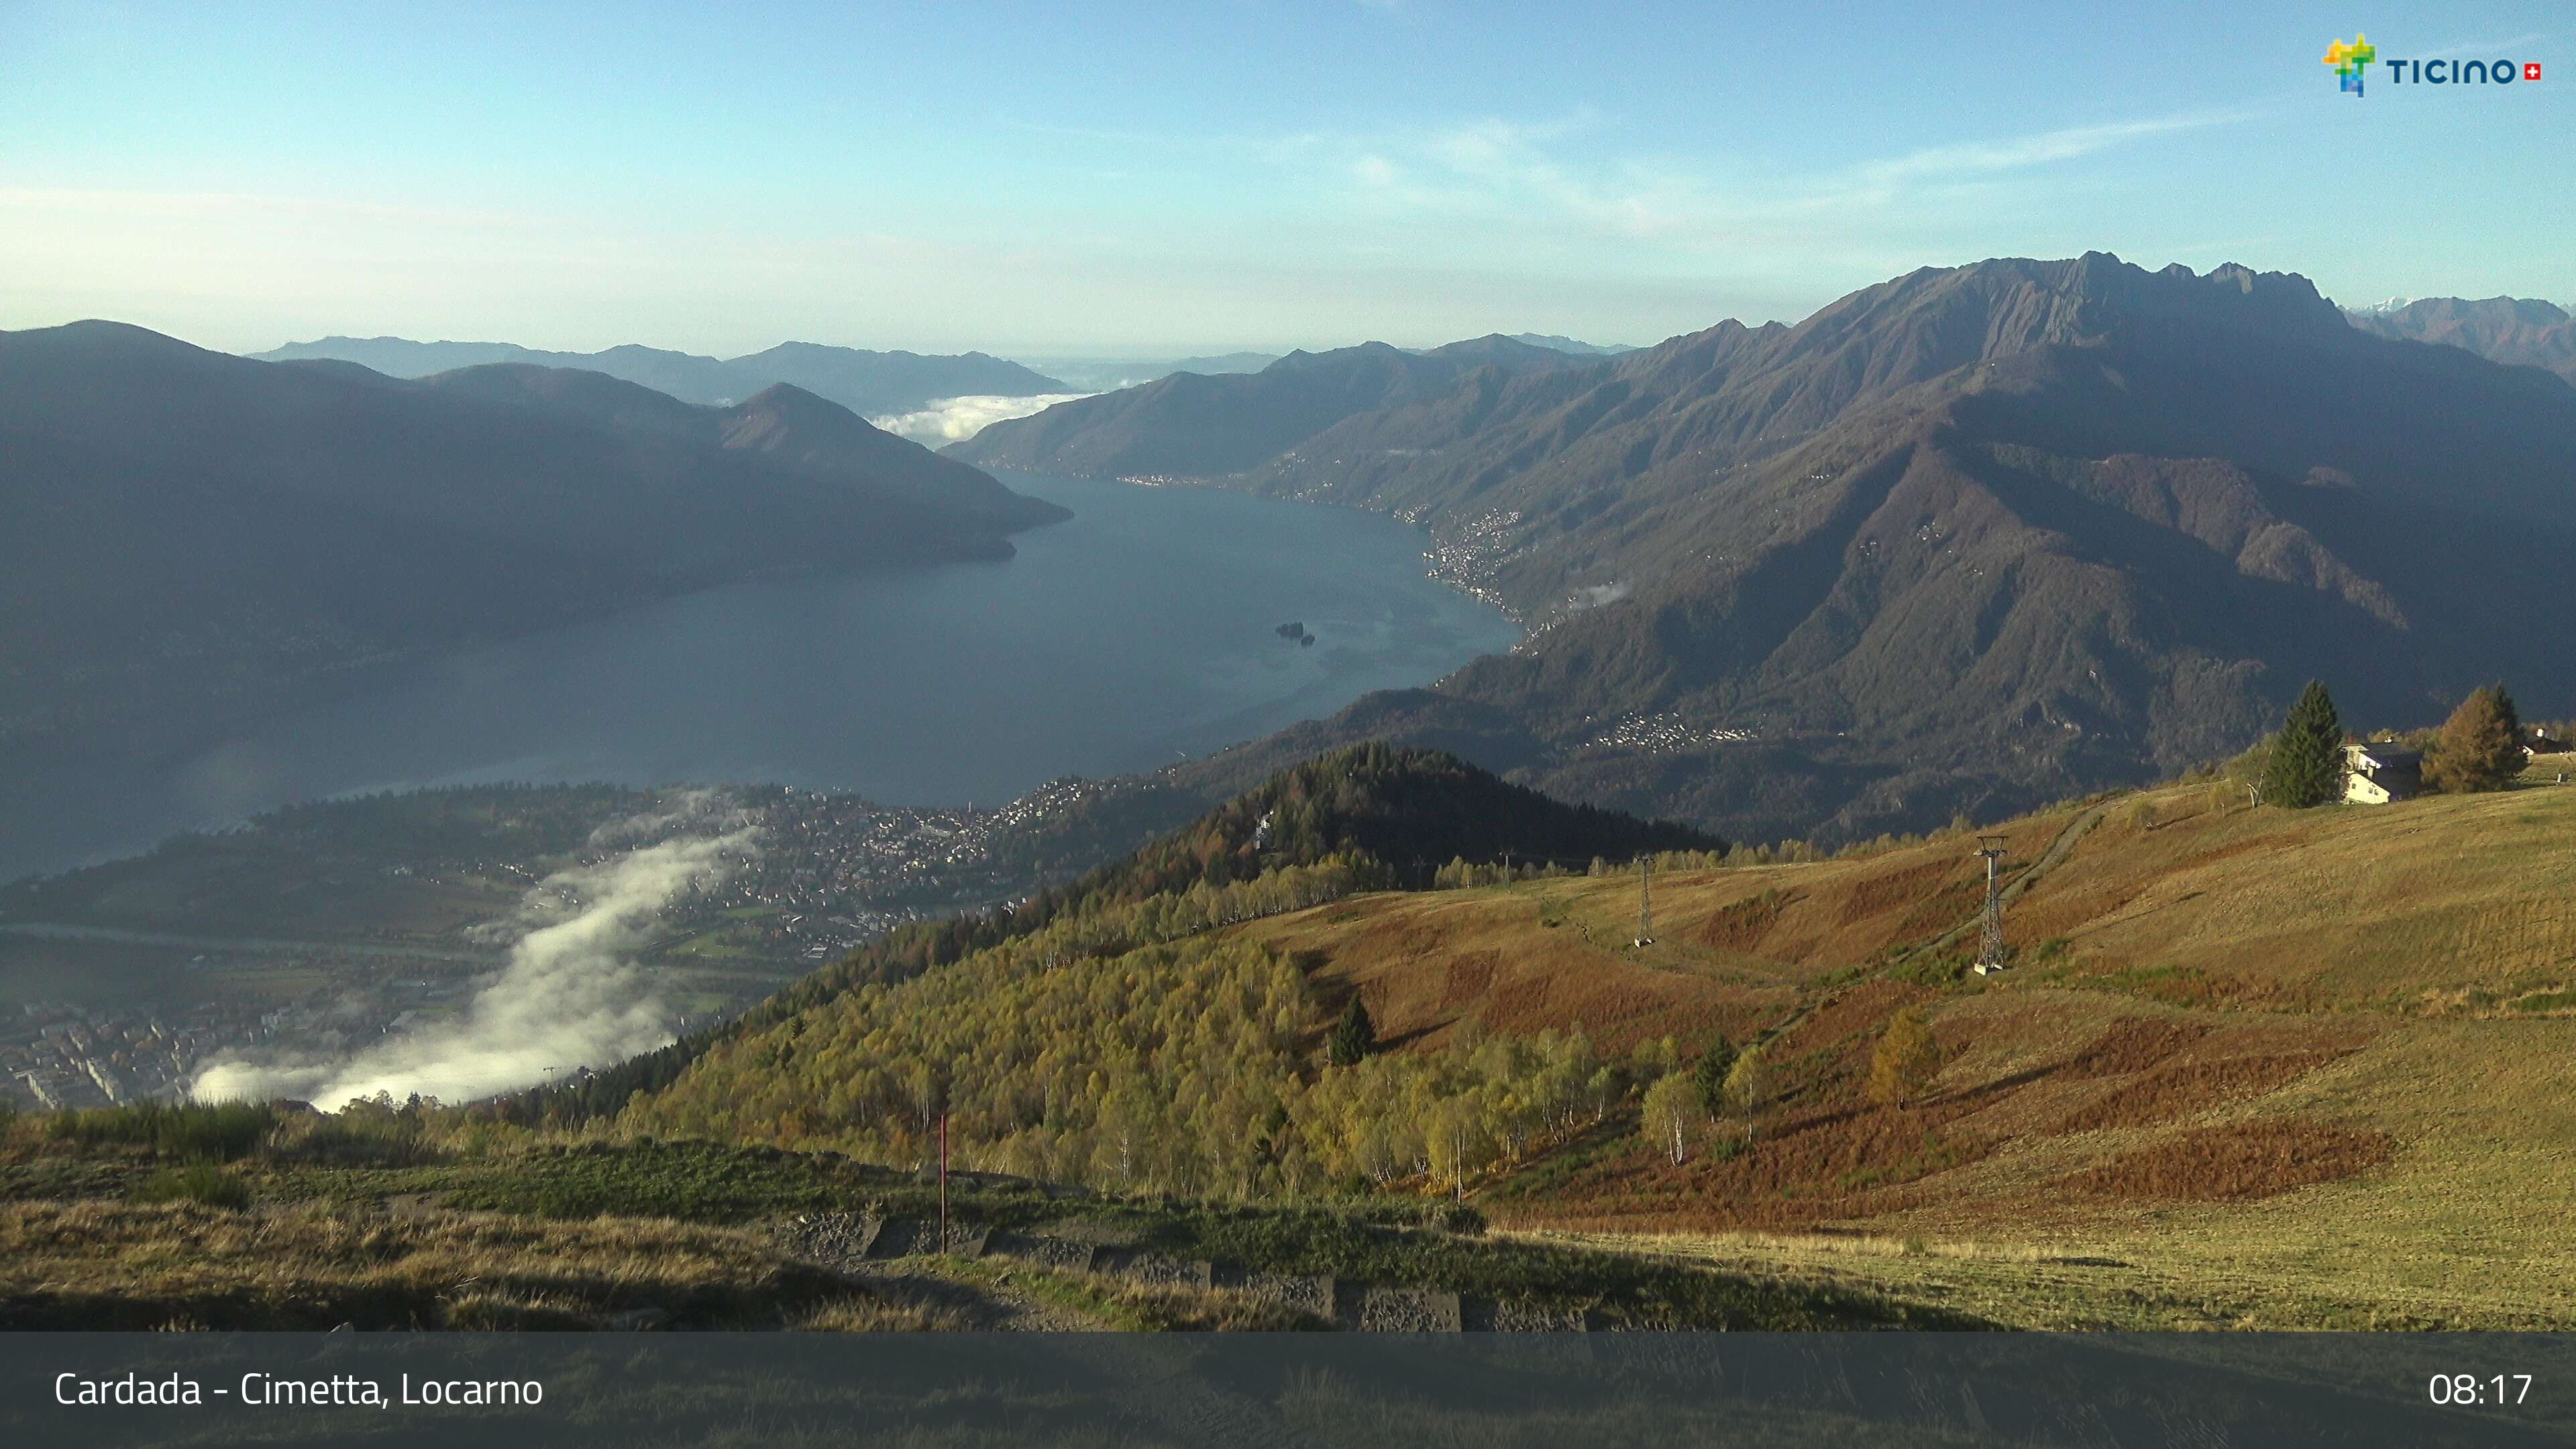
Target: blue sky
[(1134, 179)]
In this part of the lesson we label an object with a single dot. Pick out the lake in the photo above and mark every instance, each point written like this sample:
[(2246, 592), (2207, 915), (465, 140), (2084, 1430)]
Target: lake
[(1141, 631)]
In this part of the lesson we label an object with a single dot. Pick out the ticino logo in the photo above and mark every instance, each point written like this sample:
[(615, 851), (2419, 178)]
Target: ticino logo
[(2351, 60)]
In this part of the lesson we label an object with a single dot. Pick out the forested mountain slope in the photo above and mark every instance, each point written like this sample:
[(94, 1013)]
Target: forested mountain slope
[(2515, 330), (1968, 540), (191, 536), (1193, 425)]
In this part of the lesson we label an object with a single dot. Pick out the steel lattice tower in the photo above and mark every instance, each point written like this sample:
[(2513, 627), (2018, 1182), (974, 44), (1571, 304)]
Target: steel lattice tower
[(1990, 940)]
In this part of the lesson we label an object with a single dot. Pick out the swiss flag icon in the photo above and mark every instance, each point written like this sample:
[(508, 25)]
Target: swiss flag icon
[(2531, 70)]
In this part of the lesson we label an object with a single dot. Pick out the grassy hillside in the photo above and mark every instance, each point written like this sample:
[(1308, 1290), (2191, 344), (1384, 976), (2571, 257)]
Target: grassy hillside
[(2250, 1067), (433, 1220), (2253, 1066), (1363, 817)]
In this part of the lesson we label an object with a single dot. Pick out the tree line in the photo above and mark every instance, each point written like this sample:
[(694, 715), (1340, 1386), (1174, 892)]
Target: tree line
[(1194, 1065), (2478, 749), (1377, 814)]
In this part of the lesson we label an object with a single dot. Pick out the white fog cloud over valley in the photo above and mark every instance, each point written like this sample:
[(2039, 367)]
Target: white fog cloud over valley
[(955, 419), (570, 996)]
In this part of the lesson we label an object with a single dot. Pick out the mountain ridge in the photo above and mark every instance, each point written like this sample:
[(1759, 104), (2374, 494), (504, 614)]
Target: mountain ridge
[(2515, 330), (1967, 540), (872, 384), (1191, 425), (198, 537)]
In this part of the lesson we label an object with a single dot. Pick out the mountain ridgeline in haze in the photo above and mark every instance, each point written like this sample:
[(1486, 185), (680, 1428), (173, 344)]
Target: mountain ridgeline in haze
[(2501, 329), (1568, 344), (871, 384), (1968, 540), (193, 537), (1193, 425)]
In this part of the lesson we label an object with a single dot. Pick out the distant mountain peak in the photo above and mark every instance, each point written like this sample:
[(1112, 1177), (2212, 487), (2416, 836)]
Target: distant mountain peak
[(2522, 331), (786, 397), (1556, 343)]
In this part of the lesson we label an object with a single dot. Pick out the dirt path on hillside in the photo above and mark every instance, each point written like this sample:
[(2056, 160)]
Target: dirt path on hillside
[(2049, 860), (2058, 849)]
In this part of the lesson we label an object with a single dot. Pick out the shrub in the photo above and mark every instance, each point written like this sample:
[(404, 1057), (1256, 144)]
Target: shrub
[(190, 1132), (1457, 1217), (201, 1182), (1932, 968), (353, 1139)]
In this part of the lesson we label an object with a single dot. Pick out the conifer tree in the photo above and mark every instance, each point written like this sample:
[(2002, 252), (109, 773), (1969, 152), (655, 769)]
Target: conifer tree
[(2306, 765), (1709, 1075), (1354, 1036), (1906, 1060), (2480, 747)]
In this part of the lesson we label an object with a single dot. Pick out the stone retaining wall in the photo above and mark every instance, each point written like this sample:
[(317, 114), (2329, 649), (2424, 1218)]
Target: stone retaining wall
[(1369, 1307)]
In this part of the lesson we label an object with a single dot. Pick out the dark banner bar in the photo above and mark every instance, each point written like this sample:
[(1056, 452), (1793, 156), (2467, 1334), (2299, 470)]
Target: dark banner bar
[(1496, 1391)]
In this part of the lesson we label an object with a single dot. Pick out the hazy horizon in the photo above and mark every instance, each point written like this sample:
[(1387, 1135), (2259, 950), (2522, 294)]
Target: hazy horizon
[(1038, 359), (1128, 183)]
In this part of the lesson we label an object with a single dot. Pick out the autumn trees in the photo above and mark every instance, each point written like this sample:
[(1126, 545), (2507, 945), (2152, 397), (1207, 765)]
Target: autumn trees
[(1905, 1060), (1750, 1083), (2480, 746), (1671, 1115), (2478, 749), (1127, 1048)]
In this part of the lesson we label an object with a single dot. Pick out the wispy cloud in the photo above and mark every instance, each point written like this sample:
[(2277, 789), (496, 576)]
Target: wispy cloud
[(1532, 170), (1985, 158), (571, 995)]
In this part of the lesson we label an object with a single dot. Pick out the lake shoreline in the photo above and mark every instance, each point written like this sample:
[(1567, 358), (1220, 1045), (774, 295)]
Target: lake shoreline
[(1109, 645)]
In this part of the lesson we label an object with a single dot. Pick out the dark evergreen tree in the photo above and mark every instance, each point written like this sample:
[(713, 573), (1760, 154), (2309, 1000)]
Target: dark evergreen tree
[(1354, 1036), (2306, 766), (1708, 1076), (2480, 747)]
